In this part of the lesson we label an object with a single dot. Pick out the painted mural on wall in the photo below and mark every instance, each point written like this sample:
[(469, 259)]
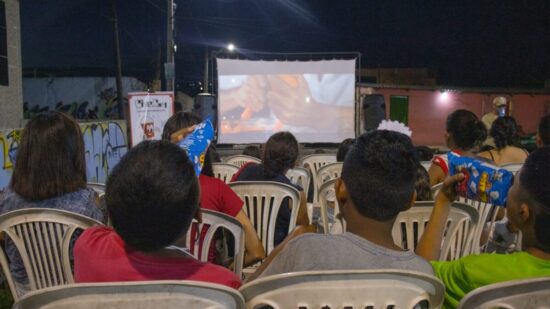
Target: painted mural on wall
[(81, 97), (105, 143)]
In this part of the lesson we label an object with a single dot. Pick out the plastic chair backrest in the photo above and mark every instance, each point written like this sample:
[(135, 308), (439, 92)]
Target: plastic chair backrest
[(224, 171), (327, 172), (314, 162), (327, 189), (211, 222), (517, 294), (301, 177), (345, 289), (487, 213), (129, 295), (97, 187), (461, 221), (262, 200), (512, 167), (42, 237), (240, 160)]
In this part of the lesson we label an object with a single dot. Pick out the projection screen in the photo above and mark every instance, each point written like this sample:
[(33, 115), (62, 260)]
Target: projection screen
[(312, 99)]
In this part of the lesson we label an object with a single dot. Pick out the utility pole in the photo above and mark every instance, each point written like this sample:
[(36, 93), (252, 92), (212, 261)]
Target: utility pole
[(118, 63), (169, 67)]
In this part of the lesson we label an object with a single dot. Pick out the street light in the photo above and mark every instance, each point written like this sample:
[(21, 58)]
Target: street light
[(230, 47)]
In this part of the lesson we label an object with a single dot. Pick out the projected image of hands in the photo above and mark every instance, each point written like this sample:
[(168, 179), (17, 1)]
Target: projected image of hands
[(317, 107)]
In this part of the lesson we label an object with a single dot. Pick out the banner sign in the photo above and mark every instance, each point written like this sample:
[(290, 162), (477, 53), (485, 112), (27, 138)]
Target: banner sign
[(149, 111)]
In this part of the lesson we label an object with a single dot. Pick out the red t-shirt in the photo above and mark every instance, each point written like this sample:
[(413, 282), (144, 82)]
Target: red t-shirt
[(218, 196), (101, 256), (215, 195)]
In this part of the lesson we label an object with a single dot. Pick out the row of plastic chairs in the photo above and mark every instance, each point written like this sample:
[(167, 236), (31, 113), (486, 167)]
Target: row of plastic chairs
[(328, 289), (312, 289)]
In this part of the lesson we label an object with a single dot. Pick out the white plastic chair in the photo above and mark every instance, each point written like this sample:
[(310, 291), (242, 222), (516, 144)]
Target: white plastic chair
[(461, 222), (487, 213), (262, 200), (518, 294), (512, 167), (240, 160), (326, 190), (42, 237), (130, 295), (301, 177), (325, 173), (97, 187), (224, 171), (211, 222), (374, 289), (314, 162)]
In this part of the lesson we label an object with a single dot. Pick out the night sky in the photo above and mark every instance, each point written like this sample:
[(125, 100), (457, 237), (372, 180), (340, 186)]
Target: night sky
[(468, 43)]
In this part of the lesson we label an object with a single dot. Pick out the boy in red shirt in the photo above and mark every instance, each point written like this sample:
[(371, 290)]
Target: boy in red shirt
[(152, 195)]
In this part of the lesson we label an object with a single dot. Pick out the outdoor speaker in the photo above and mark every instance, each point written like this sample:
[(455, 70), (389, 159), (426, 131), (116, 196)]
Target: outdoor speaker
[(205, 105), (374, 111)]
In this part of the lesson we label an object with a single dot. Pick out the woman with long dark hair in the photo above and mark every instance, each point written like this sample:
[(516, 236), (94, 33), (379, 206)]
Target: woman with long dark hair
[(49, 172), (504, 132), (280, 154)]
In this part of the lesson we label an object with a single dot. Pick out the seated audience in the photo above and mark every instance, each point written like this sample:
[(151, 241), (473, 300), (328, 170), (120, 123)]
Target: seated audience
[(49, 172), (253, 151), (215, 194), (344, 148), (280, 155), (543, 132), (152, 196), (422, 184), (528, 210), (465, 132), (377, 183), (504, 132)]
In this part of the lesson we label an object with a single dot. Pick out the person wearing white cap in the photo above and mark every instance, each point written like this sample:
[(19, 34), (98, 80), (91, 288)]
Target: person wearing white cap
[(499, 109)]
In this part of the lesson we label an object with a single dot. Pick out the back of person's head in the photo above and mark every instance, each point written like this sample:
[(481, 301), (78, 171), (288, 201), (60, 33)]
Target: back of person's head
[(280, 153), (535, 192), (50, 158), (466, 129), (179, 121), (152, 195), (504, 131), (422, 184), (380, 173), (544, 130), (425, 153), (343, 149), (253, 151)]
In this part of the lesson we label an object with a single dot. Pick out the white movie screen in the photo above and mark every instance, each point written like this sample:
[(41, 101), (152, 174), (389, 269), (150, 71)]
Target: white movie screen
[(312, 99)]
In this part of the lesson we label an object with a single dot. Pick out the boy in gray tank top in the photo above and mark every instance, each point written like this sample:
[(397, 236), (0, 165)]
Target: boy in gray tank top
[(377, 182)]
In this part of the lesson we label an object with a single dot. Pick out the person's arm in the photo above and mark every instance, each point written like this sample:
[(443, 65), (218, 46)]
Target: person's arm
[(254, 251), (436, 174), (303, 218), (429, 246)]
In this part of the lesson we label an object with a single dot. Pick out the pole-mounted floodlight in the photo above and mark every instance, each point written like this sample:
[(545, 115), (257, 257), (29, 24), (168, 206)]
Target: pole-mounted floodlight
[(230, 47)]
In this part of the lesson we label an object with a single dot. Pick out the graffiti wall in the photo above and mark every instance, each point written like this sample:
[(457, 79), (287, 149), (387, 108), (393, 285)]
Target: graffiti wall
[(81, 97), (105, 143)]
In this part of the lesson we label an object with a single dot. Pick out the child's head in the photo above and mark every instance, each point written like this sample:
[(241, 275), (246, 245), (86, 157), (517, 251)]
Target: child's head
[(504, 131), (422, 184), (543, 132), (528, 204), (177, 122), (379, 174), (344, 148), (253, 151), (280, 153), (464, 130), (152, 195)]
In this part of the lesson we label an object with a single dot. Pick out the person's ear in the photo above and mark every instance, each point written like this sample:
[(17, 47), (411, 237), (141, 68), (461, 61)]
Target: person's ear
[(538, 140), (341, 191), (411, 201), (524, 215), (447, 137), (198, 214)]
